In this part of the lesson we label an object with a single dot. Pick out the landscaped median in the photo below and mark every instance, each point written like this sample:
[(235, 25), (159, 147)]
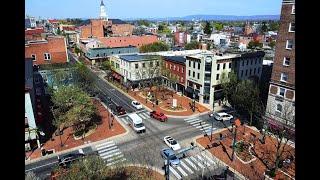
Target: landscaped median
[(165, 100), (251, 158), (69, 140)]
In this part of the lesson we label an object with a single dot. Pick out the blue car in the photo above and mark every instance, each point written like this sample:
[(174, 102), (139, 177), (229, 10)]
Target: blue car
[(169, 152)]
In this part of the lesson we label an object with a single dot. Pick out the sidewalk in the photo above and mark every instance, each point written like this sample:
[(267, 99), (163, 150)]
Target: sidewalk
[(101, 132), (257, 157)]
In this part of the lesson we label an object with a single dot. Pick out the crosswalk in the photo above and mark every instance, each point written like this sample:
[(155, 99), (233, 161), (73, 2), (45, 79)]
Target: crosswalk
[(200, 124), (144, 115), (192, 165), (110, 153)]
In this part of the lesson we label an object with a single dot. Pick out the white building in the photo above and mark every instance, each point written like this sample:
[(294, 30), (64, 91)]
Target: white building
[(103, 12)]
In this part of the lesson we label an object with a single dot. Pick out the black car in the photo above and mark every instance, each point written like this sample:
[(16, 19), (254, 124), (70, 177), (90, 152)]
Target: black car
[(65, 161), (120, 110)]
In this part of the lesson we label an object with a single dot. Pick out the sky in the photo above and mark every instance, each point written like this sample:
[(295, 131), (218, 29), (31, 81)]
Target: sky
[(124, 9)]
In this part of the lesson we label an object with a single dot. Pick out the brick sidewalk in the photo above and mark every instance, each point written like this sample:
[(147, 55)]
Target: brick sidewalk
[(265, 152), (102, 132)]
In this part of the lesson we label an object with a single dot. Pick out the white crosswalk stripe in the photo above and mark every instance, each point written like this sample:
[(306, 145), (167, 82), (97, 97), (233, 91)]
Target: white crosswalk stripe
[(175, 173), (110, 153), (208, 159), (186, 167), (198, 163), (182, 171), (144, 115), (203, 125), (190, 118), (124, 119), (191, 164), (194, 121), (203, 161)]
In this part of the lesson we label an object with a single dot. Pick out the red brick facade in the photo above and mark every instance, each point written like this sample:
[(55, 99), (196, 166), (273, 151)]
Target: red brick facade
[(124, 41), (180, 41), (55, 46), (33, 34), (281, 52), (177, 69)]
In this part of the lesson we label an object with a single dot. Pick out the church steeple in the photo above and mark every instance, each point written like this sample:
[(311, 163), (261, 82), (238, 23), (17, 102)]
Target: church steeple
[(103, 13)]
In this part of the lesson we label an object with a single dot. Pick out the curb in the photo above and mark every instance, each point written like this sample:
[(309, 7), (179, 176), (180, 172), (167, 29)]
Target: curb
[(145, 166), (81, 146)]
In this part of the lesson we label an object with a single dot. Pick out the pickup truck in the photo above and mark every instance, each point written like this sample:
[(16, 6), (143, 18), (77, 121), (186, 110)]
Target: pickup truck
[(158, 116)]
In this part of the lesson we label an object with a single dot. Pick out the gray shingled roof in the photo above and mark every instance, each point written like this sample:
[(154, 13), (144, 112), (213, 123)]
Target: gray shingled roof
[(176, 59)]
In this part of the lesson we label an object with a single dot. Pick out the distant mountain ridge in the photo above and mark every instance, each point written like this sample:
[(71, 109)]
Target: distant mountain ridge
[(214, 17)]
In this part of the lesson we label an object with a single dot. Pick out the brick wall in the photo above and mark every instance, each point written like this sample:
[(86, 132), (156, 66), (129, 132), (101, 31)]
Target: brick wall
[(176, 72), (137, 41), (122, 29), (55, 46), (281, 51)]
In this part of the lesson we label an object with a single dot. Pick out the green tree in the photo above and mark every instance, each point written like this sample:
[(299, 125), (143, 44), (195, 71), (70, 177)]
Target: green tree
[(218, 26), (207, 28), (272, 44), (192, 45), (144, 22), (228, 84), (264, 27), (106, 65), (274, 26), (83, 77), (154, 47), (58, 31), (254, 44)]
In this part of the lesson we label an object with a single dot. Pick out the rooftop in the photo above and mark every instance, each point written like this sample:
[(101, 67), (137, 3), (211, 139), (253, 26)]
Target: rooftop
[(137, 57), (178, 59)]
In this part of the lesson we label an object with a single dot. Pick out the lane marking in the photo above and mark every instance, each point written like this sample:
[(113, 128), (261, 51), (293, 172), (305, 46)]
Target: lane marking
[(108, 149), (115, 158), (175, 172), (108, 156), (109, 152), (121, 160), (41, 166), (182, 171), (198, 163), (192, 165), (104, 144), (203, 161), (193, 120)]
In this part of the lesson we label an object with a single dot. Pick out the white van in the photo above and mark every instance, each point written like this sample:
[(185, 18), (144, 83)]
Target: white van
[(136, 123)]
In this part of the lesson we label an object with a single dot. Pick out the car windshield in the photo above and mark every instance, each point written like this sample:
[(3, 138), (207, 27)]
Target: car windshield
[(139, 125), (136, 103), (174, 142)]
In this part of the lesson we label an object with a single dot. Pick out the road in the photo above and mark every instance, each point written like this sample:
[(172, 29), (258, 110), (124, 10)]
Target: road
[(145, 148)]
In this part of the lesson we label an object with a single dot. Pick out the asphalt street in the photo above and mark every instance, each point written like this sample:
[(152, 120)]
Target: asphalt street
[(142, 148)]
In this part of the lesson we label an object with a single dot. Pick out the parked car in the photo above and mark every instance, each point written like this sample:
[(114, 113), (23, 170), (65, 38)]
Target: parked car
[(166, 152), (120, 110), (136, 104), (222, 116), (65, 161), (158, 116), (172, 143)]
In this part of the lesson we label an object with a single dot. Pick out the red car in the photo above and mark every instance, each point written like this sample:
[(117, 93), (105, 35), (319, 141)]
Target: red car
[(159, 116)]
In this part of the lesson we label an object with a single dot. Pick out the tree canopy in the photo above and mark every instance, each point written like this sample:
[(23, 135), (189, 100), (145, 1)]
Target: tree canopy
[(192, 45), (154, 47), (207, 28), (143, 22), (218, 26), (254, 44)]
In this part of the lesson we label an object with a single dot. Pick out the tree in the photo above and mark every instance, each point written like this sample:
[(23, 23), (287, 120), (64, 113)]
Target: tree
[(106, 65), (83, 77), (31, 176), (264, 27), (192, 45), (254, 44), (272, 44), (143, 22), (274, 26), (228, 84), (154, 47), (72, 106), (58, 31), (207, 28), (246, 97), (218, 26)]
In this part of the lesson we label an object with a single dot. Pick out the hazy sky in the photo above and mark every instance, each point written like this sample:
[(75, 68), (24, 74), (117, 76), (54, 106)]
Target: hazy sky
[(150, 8)]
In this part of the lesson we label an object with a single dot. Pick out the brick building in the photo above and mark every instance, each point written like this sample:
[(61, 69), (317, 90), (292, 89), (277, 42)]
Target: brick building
[(49, 51), (181, 38), (177, 67), (125, 41), (33, 34), (281, 98), (104, 28)]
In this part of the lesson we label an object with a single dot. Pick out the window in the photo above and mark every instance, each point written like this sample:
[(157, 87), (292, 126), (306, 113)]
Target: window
[(250, 71), (241, 73), (144, 65), (198, 65), (217, 77), (174, 67), (218, 67), (224, 65), (278, 110), (251, 61), (151, 64), (289, 44), (137, 66), (194, 64), (243, 63), (246, 72), (189, 73), (258, 70), (293, 9), (286, 61), (33, 57), (189, 63), (182, 69), (230, 65), (193, 74), (284, 77), (198, 75), (158, 64), (247, 62), (254, 71), (282, 91), (292, 27), (47, 56)]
